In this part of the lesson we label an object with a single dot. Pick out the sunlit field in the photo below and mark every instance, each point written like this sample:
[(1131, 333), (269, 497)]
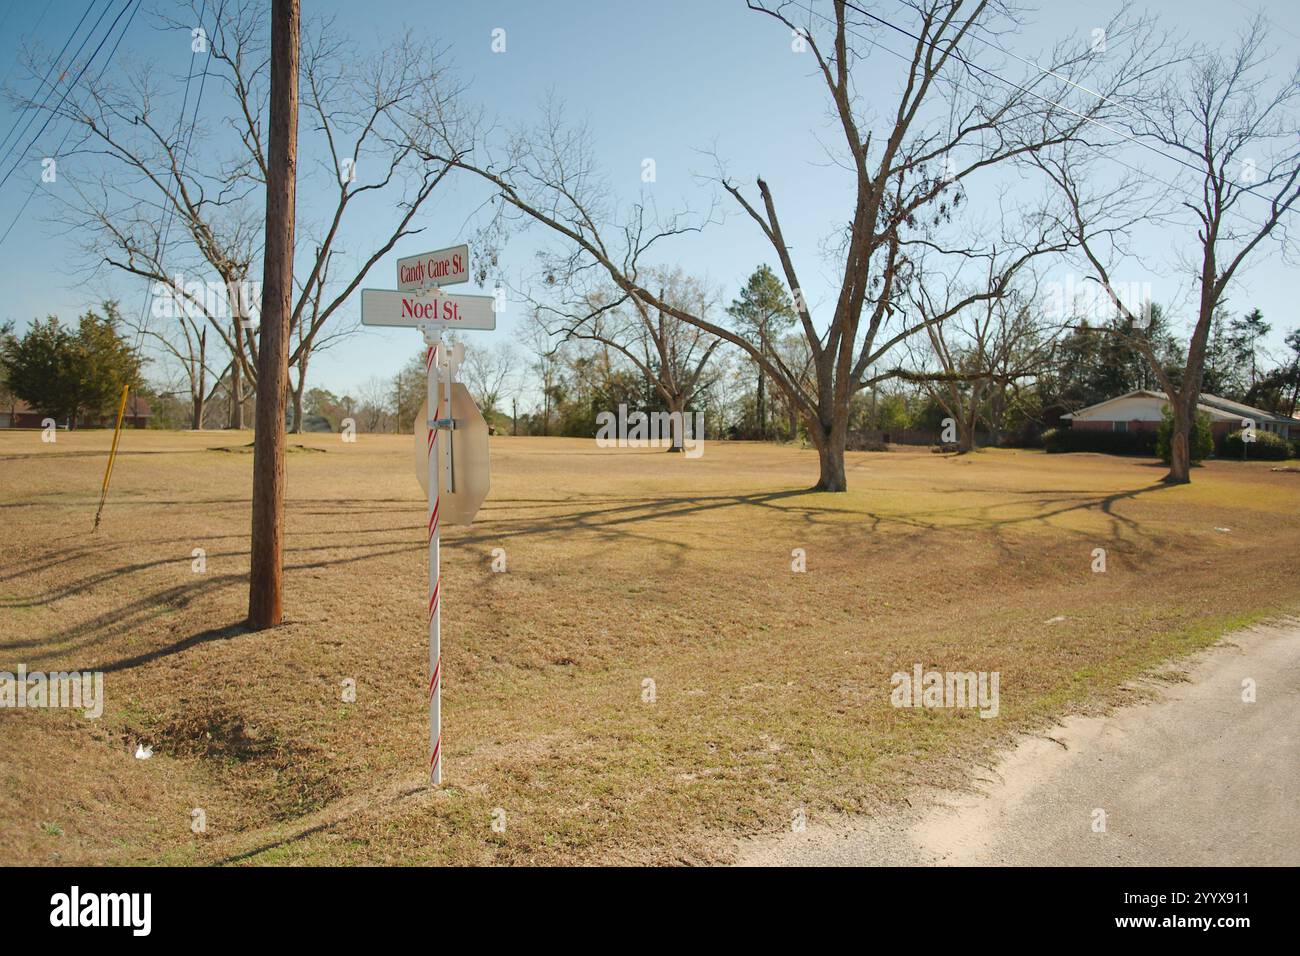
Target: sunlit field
[(647, 681)]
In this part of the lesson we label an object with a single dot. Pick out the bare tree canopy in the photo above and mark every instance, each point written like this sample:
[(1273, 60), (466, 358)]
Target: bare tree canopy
[(1234, 136), (911, 162), (152, 164), (488, 371), (984, 353), (672, 355)]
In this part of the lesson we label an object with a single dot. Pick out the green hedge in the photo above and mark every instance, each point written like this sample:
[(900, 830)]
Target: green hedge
[(1202, 436), (1266, 447), (1058, 440)]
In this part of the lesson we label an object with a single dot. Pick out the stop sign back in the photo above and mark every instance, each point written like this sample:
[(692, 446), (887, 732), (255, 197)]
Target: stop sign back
[(469, 458)]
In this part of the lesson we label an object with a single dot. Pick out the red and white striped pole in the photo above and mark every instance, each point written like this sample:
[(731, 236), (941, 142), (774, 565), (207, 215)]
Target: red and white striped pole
[(432, 359)]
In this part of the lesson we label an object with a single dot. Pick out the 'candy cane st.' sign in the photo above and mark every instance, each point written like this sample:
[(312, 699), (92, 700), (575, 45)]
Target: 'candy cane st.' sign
[(442, 267)]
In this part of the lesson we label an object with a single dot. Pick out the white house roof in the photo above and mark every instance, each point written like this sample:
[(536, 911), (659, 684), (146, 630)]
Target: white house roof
[(1218, 409), (1246, 411)]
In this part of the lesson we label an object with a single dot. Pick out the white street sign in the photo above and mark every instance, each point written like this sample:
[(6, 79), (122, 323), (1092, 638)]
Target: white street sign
[(430, 308), (441, 267)]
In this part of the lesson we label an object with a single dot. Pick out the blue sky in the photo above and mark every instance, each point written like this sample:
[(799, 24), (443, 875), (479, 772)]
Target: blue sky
[(665, 80)]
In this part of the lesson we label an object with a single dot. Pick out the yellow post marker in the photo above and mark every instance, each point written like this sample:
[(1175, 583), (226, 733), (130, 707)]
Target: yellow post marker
[(112, 456)]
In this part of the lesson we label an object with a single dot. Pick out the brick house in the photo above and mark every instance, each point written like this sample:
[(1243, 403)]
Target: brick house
[(1142, 411), (18, 414)]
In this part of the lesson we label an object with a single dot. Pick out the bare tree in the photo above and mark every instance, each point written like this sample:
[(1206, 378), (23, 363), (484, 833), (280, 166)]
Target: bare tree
[(373, 411), (952, 121), (183, 342), (673, 355), (488, 371), (795, 355), (310, 335), (1235, 141), (547, 365), (983, 353), (158, 166)]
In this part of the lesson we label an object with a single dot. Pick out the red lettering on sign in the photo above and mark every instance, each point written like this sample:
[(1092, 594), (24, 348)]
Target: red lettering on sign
[(418, 309)]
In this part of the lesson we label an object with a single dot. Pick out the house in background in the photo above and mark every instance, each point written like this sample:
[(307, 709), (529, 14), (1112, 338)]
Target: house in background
[(1143, 410), (18, 414)]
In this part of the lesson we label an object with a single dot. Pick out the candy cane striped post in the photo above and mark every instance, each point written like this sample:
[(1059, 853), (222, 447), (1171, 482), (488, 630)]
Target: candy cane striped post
[(431, 361)]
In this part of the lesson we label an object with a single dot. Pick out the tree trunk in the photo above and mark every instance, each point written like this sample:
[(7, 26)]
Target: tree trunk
[(1180, 458), (762, 408), (677, 407), (966, 431), (996, 410), (831, 460), (199, 393), (831, 439), (236, 419), (297, 396)]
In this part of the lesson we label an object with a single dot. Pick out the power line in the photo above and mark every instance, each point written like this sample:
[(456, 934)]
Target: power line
[(50, 69), (68, 132), (36, 28), (75, 80), (1251, 190), (906, 59), (1050, 72), (953, 51)]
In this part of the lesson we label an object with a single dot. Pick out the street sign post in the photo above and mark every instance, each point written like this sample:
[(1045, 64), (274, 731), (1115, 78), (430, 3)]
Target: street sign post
[(452, 443)]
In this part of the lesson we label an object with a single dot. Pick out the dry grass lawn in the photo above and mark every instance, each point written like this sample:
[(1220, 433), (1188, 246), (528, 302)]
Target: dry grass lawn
[(772, 688)]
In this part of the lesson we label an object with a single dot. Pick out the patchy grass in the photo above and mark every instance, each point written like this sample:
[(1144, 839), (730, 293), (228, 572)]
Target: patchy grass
[(771, 688)]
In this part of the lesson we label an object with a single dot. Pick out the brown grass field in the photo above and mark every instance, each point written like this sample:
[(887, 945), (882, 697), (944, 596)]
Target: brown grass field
[(772, 687)]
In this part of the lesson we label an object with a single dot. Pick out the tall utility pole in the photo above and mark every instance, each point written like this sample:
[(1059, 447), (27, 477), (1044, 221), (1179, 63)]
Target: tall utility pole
[(264, 584)]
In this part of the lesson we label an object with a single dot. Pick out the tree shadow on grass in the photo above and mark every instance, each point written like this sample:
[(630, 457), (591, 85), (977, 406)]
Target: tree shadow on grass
[(611, 519), (203, 637)]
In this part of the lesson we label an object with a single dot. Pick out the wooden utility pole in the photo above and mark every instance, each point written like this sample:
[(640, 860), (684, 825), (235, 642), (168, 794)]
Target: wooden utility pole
[(264, 584)]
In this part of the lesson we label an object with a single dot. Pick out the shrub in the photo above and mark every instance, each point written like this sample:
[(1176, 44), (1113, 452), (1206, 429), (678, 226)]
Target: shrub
[(865, 440), (1028, 435), (1202, 437), (1058, 440), (1266, 446)]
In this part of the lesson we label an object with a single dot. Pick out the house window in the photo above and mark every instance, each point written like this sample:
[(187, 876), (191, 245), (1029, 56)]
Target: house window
[(1119, 426)]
